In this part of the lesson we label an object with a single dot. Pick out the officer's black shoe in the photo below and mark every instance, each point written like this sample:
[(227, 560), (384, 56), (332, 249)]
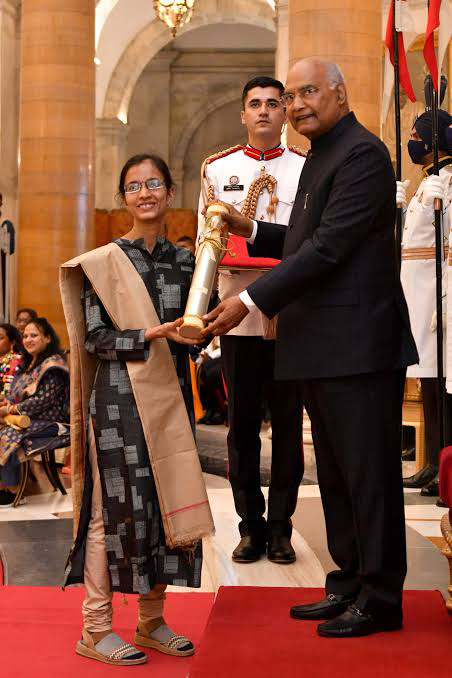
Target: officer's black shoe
[(432, 489), (409, 454), (206, 418), (422, 477), (354, 622), (216, 419), (328, 608), (249, 549), (279, 550)]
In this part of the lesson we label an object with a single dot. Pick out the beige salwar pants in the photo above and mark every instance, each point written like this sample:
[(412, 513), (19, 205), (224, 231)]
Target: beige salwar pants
[(97, 607)]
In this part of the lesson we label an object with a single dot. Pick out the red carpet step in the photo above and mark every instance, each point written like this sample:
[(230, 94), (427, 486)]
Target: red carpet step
[(40, 626), (250, 635)]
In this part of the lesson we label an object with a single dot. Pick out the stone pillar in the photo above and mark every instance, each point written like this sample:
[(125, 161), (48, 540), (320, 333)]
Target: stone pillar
[(9, 115), (177, 172), (348, 32), (57, 137), (282, 40), (111, 154), (9, 103), (149, 116)]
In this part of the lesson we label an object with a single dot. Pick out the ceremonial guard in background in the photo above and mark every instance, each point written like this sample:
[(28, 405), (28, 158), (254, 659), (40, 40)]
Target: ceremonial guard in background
[(261, 180), (418, 276)]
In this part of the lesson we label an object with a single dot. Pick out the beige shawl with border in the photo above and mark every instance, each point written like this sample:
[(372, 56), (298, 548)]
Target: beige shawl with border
[(172, 450)]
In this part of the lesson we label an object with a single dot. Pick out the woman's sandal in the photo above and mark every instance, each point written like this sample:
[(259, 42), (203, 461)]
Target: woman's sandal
[(110, 650), (170, 642)]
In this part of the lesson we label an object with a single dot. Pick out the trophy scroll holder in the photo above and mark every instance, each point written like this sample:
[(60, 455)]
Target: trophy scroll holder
[(210, 251)]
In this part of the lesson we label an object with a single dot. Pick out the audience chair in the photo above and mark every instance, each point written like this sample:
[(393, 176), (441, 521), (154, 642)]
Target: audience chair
[(47, 452)]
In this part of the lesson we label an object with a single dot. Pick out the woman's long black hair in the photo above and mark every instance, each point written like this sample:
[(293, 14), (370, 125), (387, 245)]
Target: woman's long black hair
[(13, 335), (53, 347)]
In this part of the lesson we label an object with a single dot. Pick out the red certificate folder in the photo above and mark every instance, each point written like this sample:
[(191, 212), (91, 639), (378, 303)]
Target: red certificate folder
[(237, 258)]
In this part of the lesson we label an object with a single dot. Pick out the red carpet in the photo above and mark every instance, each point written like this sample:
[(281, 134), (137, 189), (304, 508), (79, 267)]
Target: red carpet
[(250, 635), (40, 626)]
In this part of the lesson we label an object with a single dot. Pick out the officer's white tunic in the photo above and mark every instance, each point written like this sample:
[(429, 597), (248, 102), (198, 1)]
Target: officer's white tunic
[(418, 274), (243, 170)]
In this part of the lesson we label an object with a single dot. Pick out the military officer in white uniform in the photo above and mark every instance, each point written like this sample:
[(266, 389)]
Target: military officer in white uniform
[(418, 276), (261, 180)]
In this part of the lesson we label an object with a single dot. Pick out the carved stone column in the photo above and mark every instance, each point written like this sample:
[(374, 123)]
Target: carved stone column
[(111, 154), (57, 128), (282, 40), (151, 116), (9, 116), (9, 103), (348, 32)]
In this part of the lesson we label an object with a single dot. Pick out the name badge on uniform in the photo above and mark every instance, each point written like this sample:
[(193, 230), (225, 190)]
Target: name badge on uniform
[(233, 184)]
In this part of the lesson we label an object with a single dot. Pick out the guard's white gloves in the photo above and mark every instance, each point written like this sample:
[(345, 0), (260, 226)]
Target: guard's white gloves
[(434, 322), (434, 187), (401, 193)]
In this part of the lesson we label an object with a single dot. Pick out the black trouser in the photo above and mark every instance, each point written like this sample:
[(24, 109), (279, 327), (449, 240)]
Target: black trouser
[(248, 364), (432, 427), (356, 428)]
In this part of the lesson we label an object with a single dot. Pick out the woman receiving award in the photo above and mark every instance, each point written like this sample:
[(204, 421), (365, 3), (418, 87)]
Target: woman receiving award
[(140, 504)]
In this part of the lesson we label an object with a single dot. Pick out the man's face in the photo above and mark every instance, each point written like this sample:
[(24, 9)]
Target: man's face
[(313, 105), (264, 113)]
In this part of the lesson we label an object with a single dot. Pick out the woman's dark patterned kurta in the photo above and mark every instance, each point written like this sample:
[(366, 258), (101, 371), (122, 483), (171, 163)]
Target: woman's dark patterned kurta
[(137, 555)]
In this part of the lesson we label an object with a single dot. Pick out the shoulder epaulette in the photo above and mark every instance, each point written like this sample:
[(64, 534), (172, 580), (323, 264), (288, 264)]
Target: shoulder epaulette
[(297, 150), (223, 154)]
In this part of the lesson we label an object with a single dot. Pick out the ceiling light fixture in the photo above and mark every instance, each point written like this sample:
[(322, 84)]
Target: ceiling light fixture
[(174, 13)]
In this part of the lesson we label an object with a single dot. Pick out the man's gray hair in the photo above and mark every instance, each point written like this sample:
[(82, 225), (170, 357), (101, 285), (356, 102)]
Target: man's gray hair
[(334, 74)]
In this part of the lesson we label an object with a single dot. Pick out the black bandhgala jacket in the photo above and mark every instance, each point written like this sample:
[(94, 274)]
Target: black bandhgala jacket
[(337, 291)]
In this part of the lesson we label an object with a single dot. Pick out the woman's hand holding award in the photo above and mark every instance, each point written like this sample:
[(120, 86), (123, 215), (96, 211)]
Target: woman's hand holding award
[(211, 249)]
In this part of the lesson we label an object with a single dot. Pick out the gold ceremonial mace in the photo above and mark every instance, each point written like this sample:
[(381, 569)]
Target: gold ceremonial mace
[(210, 251)]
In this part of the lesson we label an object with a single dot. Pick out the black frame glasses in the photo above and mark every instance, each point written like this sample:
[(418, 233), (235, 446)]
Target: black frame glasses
[(151, 185)]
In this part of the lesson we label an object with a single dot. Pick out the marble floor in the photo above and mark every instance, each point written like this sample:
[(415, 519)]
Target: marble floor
[(35, 539)]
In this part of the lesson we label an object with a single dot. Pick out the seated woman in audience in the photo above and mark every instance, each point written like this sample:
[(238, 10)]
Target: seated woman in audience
[(140, 504), (23, 317), (40, 390), (10, 356)]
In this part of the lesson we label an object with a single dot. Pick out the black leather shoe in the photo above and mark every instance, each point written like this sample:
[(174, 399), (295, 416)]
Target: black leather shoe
[(249, 550), (422, 477), (216, 419), (206, 419), (409, 454), (279, 550), (328, 608), (432, 489), (354, 622)]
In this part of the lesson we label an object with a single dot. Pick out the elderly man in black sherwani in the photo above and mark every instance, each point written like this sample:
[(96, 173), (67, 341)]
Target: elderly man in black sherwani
[(344, 334)]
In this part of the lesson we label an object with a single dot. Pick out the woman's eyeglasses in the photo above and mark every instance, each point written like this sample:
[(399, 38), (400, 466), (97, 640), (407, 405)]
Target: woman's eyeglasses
[(135, 186)]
